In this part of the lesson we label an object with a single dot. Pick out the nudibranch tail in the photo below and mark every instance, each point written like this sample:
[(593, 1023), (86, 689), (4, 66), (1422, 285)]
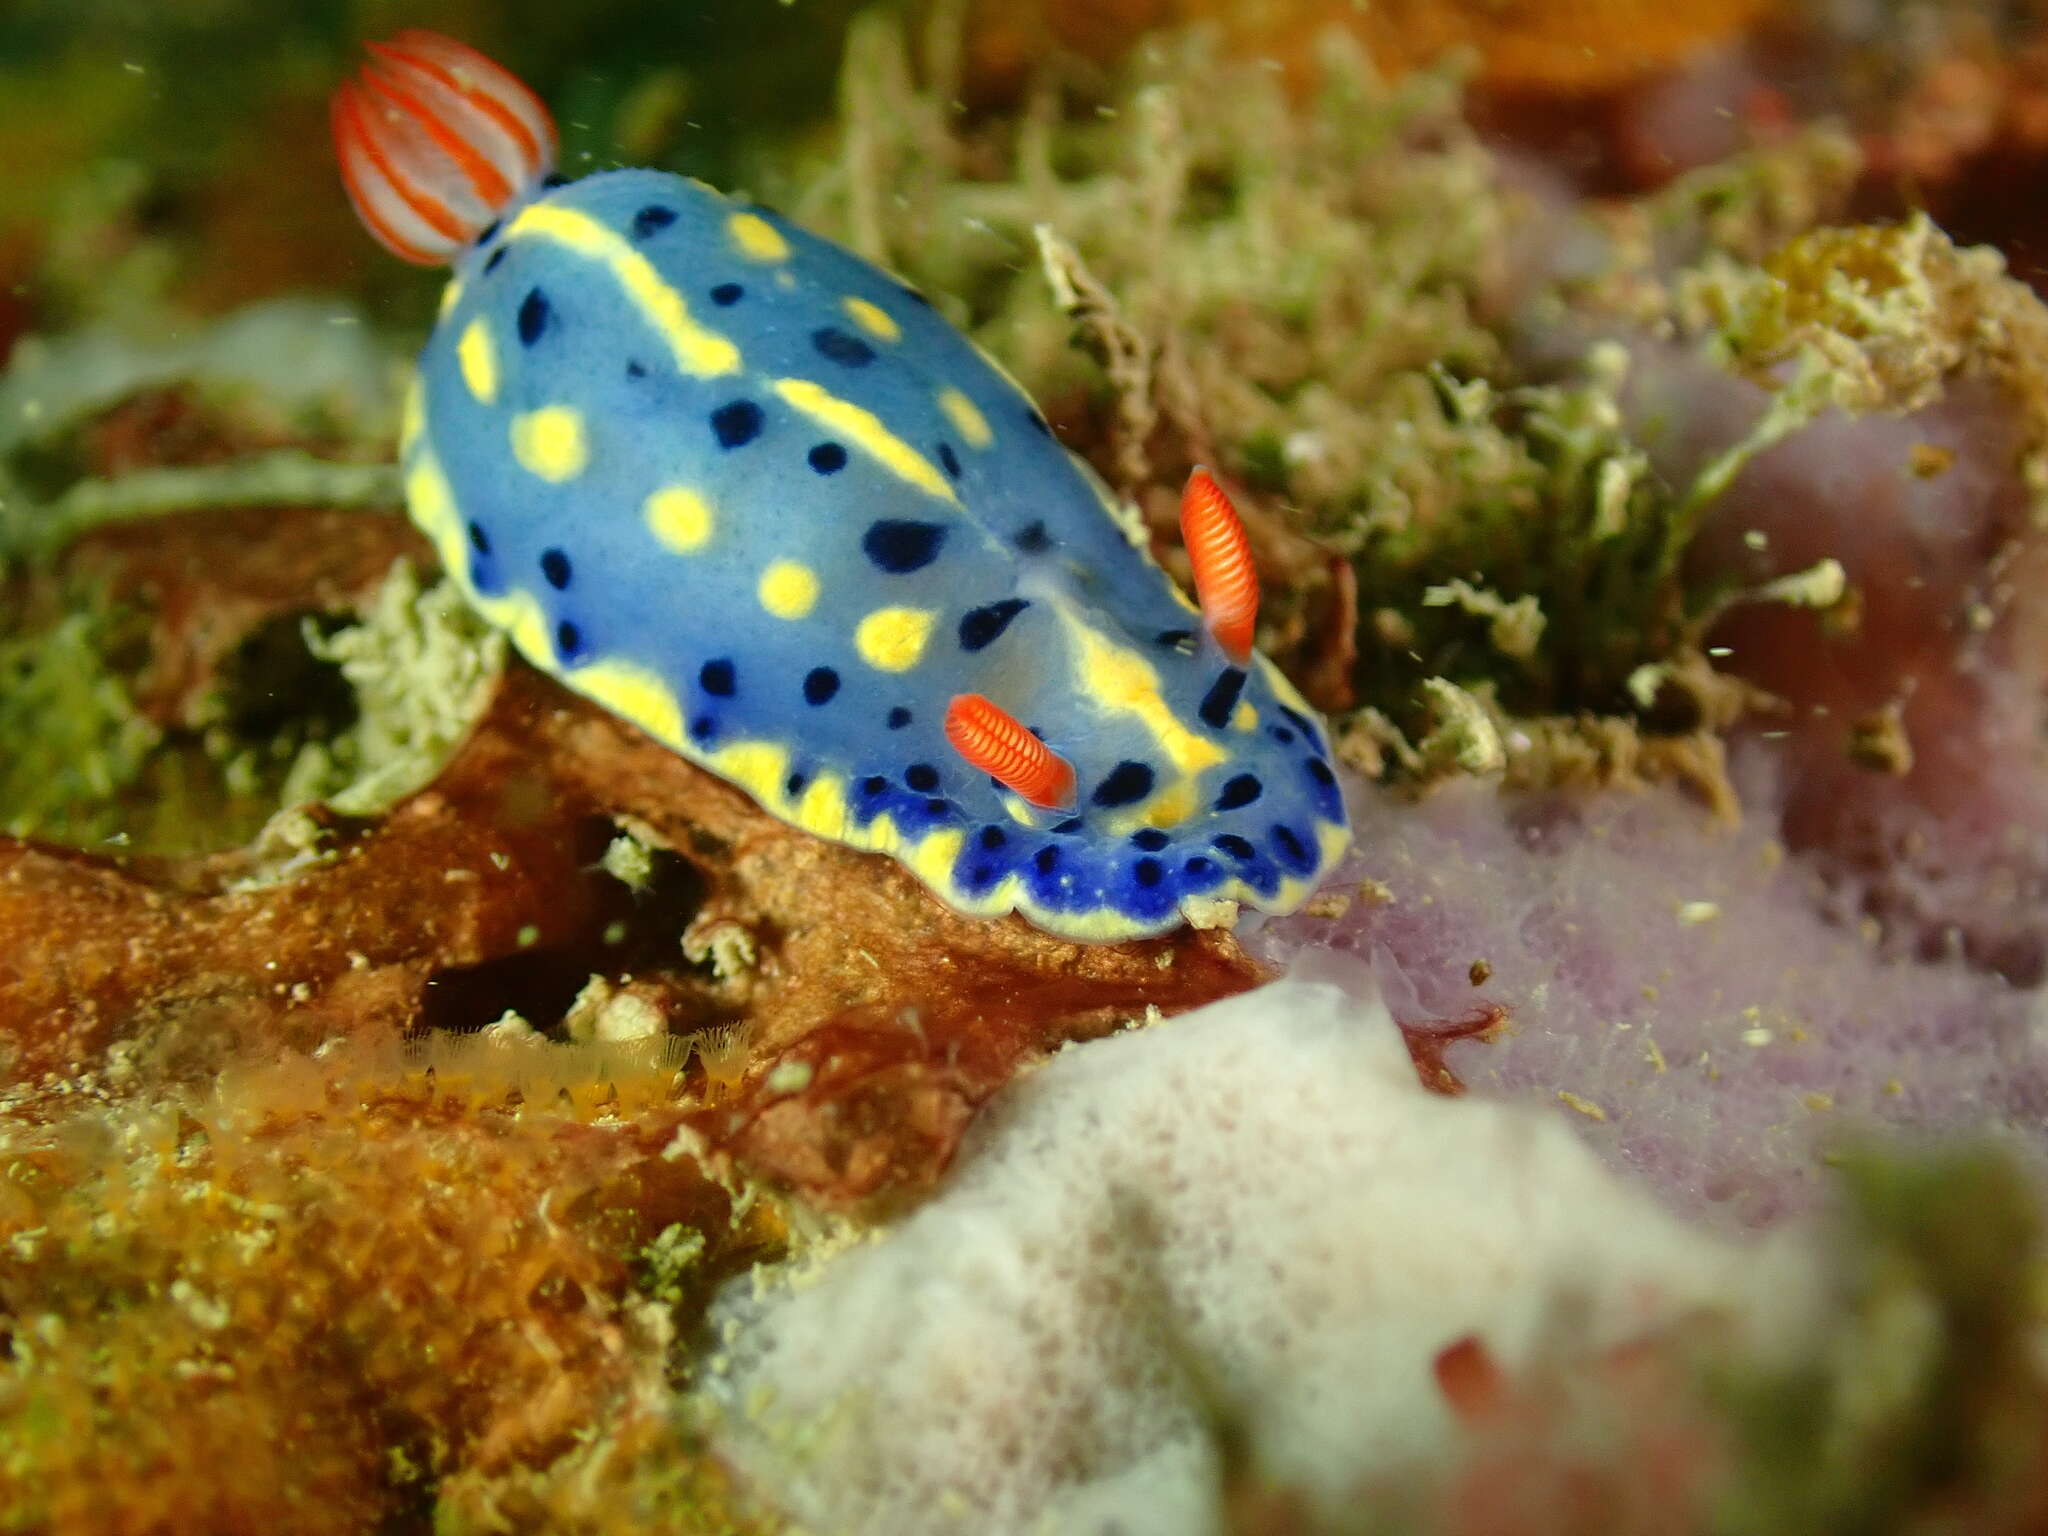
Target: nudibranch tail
[(993, 740), (1226, 580), (435, 141)]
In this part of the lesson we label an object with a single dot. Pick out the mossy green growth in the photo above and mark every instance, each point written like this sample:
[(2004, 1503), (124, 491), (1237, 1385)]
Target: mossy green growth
[(1342, 303), (71, 739), (1312, 294)]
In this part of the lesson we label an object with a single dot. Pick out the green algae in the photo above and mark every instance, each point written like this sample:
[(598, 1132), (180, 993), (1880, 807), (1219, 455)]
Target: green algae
[(74, 738)]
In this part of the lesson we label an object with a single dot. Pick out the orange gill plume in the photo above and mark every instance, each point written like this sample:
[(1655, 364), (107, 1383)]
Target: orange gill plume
[(435, 141)]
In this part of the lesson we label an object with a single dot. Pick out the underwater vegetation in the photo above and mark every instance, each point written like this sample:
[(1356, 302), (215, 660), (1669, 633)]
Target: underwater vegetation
[(418, 1078)]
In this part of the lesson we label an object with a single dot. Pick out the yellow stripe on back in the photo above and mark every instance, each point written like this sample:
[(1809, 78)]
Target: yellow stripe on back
[(865, 429), (698, 351)]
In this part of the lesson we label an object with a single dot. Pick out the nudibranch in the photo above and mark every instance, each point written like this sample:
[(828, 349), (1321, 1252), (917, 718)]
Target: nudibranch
[(757, 497)]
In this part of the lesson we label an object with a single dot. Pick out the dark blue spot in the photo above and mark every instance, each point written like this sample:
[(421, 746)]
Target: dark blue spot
[(1068, 827), (981, 626), (1291, 850), (1301, 724), (1281, 734), (1037, 419), (1199, 866), (533, 316), (828, 458), (1046, 859), (1126, 782), (899, 717), (651, 220), (1221, 698), (727, 294), (568, 639), (736, 423), (820, 684), (717, 678), (937, 807), (922, 777), (478, 539), (1149, 872), (1033, 539), (1237, 847), (702, 727), (839, 347), (950, 459), (483, 236), (636, 370), (900, 547), (873, 785), (1175, 638), (491, 261), (1320, 772), (1151, 839), (993, 838), (553, 180), (554, 565), (1240, 791), (794, 784)]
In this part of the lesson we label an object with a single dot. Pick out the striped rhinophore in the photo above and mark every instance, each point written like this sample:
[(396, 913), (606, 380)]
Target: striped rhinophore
[(1226, 579), (435, 142), (993, 740)]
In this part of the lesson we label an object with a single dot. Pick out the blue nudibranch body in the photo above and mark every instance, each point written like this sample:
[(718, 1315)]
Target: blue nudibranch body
[(754, 495)]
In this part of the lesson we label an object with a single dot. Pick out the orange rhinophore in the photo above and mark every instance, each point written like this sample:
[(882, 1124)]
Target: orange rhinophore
[(435, 141), (1226, 581), (993, 740)]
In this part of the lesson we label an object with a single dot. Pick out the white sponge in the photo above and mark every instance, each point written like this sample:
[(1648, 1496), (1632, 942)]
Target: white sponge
[(1254, 1207)]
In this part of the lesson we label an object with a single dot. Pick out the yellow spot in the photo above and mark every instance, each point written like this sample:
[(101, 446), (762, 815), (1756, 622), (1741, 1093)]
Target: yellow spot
[(847, 420), (933, 859), (450, 297), (633, 693), (757, 238), (788, 590), (823, 809), (873, 319), (1171, 807), (412, 414), (893, 639), (433, 508), (479, 360), (757, 767), (1122, 681), (967, 421), (549, 442), (1245, 718), (679, 517), (698, 351), (1168, 807)]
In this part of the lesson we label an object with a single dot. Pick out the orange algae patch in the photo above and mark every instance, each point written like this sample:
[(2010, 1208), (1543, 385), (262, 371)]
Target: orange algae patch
[(349, 1281), (1586, 48)]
